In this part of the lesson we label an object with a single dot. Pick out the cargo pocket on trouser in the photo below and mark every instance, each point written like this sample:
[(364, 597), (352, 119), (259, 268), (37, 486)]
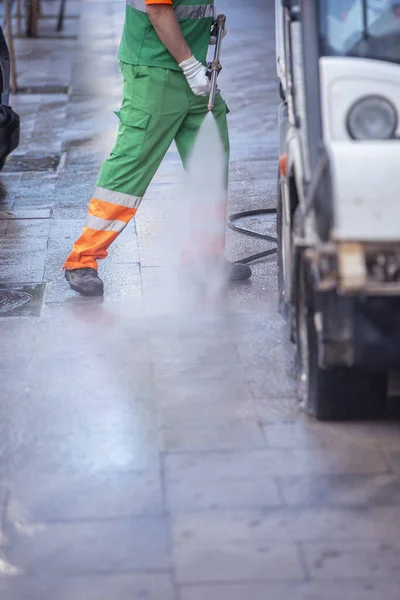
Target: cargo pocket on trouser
[(131, 132)]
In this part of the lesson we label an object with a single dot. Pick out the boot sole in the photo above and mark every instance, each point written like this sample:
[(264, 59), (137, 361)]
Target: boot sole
[(244, 277), (88, 294)]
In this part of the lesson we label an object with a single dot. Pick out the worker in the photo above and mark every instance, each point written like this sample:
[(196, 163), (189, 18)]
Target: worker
[(162, 57)]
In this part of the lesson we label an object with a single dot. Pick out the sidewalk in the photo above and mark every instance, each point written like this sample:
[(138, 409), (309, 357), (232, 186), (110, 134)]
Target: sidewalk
[(157, 456)]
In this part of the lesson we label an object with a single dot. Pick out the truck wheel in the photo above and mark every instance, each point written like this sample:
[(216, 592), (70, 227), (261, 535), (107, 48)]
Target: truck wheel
[(334, 393)]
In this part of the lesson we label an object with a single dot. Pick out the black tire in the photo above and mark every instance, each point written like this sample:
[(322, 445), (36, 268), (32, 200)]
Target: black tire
[(335, 393)]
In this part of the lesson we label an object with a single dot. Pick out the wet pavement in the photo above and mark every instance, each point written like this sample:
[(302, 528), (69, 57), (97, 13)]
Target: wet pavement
[(150, 450)]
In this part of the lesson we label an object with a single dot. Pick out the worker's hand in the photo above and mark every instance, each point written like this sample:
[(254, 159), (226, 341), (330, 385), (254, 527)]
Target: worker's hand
[(195, 74)]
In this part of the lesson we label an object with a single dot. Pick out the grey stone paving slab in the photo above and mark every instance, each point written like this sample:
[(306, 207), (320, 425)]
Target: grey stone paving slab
[(306, 433), (253, 187), (62, 497), (258, 295), (9, 184), (26, 213), (15, 271), (153, 586), (75, 454), (17, 335), (347, 490), (75, 414), (91, 328), (21, 228), (229, 436), (91, 394), (273, 375), (76, 193), (12, 251), (366, 589), (63, 233), (274, 461), (159, 192), (195, 379), (352, 560), (262, 562), (385, 434), (152, 235), (393, 457), (200, 412), (224, 556), (117, 546), (251, 169), (273, 525), (272, 410), (193, 396), (70, 212), (170, 171), (210, 494), (125, 250)]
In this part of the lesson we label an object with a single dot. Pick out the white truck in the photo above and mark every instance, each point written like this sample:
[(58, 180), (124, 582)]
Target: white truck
[(338, 224)]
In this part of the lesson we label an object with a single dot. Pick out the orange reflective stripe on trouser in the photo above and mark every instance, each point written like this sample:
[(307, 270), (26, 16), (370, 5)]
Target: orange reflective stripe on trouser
[(108, 214)]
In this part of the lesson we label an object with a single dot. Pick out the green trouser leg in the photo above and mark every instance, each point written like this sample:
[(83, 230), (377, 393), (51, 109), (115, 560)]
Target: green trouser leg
[(158, 107)]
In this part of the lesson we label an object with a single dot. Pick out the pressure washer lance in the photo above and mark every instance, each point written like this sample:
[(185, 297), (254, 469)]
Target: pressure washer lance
[(214, 68)]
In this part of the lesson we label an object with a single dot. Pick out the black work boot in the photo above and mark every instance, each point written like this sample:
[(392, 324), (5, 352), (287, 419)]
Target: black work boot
[(85, 281)]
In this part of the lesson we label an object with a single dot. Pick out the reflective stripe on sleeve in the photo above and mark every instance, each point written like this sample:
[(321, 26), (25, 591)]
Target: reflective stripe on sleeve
[(138, 4), (194, 12)]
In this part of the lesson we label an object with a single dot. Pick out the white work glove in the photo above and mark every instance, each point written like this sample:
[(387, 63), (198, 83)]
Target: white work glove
[(196, 77)]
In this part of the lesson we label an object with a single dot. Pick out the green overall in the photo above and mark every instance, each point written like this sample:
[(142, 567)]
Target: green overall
[(158, 107)]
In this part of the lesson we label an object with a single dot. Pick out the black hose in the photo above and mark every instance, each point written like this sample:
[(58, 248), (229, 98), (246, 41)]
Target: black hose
[(262, 236)]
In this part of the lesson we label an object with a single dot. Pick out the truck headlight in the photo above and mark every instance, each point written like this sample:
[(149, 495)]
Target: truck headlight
[(372, 118)]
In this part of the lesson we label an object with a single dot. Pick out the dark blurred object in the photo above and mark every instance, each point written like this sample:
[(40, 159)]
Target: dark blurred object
[(33, 12), (60, 22), (9, 120)]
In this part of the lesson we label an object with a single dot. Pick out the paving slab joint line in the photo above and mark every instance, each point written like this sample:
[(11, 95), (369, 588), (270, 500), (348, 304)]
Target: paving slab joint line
[(187, 585), (110, 572), (170, 535), (61, 164), (261, 427), (278, 484), (386, 460), (4, 512), (303, 561)]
